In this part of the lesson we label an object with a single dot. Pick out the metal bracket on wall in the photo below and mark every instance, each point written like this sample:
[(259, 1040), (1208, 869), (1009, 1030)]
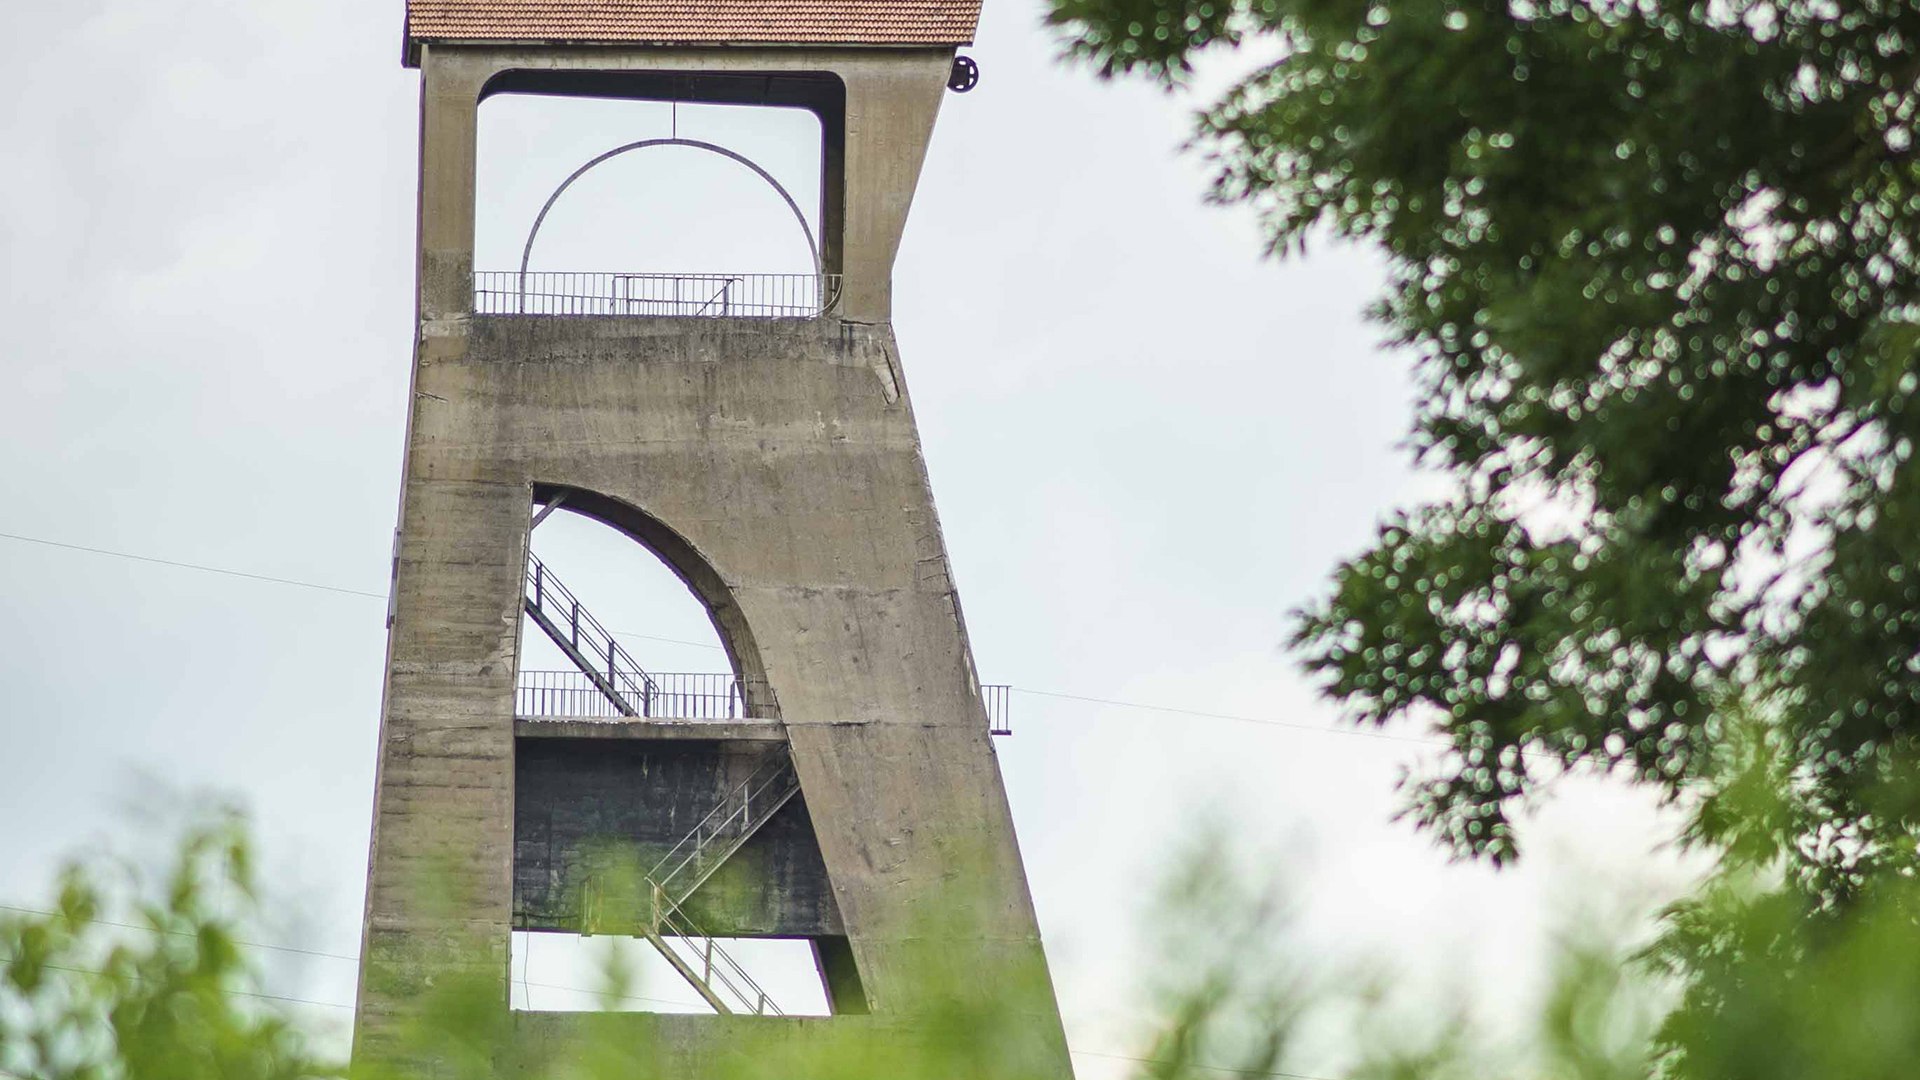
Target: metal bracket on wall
[(551, 506)]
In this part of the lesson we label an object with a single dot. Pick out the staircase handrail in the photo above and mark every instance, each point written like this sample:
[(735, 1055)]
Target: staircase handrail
[(764, 776), (670, 916), (541, 584)]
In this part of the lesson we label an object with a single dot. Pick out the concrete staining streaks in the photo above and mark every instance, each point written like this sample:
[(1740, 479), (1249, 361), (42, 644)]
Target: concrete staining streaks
[(775, 465)]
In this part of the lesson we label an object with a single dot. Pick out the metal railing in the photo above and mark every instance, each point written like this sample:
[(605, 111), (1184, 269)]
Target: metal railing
[(672, 695), (998, 698), (699, 957), (606, 665), (688, 864), (715, 296)]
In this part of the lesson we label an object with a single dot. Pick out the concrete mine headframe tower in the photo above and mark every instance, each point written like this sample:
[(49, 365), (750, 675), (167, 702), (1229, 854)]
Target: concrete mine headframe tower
[(754, 431)]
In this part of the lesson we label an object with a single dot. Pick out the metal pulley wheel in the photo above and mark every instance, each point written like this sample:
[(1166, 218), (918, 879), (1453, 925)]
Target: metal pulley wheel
[(965, 75)]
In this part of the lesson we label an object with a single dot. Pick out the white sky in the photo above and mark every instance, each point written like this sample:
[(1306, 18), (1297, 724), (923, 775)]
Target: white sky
[(1148, 445)]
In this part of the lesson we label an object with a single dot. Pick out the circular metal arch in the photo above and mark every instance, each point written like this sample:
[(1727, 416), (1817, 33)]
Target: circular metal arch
[(526, 253)]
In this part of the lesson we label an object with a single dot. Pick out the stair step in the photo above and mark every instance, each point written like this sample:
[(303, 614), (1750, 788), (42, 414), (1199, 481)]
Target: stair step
[(741, 813), (588, 644)]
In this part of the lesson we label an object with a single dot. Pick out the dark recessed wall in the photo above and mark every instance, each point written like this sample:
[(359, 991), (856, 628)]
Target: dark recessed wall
[(579, 803)]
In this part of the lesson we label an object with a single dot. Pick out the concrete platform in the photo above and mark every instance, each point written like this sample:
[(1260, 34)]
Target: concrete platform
[(768, 731)]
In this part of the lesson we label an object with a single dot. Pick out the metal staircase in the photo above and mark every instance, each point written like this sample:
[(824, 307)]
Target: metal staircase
[(688, 864), (686, 867), (716, 976), (591, 647)]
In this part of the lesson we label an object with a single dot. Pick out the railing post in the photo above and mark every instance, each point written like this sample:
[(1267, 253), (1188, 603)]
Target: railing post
[(597, 293), (576, 624)]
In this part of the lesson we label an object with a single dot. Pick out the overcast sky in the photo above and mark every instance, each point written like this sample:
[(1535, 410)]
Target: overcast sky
[(1148, 445)]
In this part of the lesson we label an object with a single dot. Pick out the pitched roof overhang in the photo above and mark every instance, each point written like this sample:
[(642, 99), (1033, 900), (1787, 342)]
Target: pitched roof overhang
[(895, 23)]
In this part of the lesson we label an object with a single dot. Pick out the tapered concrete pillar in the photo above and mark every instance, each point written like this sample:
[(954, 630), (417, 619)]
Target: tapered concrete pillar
[(771, 458)]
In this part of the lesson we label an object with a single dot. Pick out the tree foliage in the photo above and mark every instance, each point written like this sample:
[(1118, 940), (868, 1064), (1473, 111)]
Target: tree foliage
[(133, 979), (136, 978), (1655, 266)]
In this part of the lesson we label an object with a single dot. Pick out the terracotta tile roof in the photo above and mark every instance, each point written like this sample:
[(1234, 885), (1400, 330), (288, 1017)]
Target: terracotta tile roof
[(610, 22)]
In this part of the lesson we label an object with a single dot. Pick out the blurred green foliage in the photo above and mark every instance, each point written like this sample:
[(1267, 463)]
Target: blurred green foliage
[(1752, 978), (143, 979), (1656, 266)]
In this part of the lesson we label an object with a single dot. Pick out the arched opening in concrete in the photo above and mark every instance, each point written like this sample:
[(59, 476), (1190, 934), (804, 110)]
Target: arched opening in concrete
[(659, 826), (652, 195), (635, 603)]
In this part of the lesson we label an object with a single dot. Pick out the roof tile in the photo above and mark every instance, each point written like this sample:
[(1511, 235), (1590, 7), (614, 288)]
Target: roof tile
[(595, 22)]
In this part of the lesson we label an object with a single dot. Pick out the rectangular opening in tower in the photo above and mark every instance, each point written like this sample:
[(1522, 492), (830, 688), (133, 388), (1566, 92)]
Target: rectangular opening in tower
[(656, 195), (554, 972), (693, 861)]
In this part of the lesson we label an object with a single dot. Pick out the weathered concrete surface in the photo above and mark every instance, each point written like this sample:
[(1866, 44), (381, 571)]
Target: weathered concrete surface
[(783, 456), (682, 1045), (776, 466)]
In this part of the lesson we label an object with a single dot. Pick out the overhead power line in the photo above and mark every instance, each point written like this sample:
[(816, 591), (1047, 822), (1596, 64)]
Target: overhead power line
[(1059, 695), (351, 957), (1114, 702), (671, 640), (288, 999), (242, 993), (1264, 720), (190, 566)]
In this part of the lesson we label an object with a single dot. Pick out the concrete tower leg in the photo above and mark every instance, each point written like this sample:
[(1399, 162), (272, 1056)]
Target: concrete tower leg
[(776, 464)]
